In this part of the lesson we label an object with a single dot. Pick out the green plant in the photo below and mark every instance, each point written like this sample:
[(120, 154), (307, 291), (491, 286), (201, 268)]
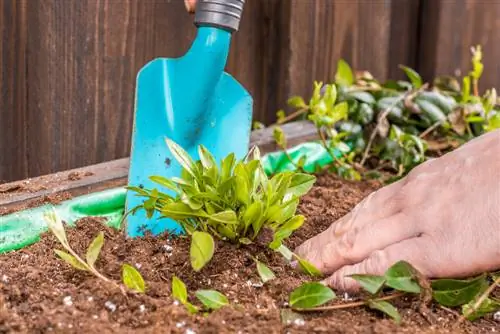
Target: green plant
[(132, 279), (325, 113), (470, 294), (394, 126), (211, 299), (236, 202)]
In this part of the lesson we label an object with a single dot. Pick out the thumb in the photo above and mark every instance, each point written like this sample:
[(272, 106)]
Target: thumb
[(413, 251)]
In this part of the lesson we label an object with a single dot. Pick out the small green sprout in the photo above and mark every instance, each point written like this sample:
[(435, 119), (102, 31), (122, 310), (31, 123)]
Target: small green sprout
[(132, 279)]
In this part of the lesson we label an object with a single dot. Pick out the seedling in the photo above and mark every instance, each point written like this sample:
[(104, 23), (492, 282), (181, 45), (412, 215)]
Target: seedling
[(132, 279), (471, 294), (265, 273), (211, 299), (234, 201)]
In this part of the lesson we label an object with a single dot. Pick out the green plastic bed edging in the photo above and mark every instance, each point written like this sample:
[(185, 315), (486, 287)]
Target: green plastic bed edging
[(24, 228)]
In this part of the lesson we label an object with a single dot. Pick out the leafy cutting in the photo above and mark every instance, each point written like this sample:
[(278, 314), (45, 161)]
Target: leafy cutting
[(231, 200), (132, 279), (472, 295), (211, 299)]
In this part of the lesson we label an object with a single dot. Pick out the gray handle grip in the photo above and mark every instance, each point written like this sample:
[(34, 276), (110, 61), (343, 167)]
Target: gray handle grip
[(225, 14)]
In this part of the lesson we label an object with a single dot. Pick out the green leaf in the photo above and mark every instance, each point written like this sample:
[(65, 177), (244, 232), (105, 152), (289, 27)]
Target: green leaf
[(206, 158), (227, 166), (179, 290), (310, 295), (280, 115), (296, 102), (133, 278), (385, 307), (466, 89), (258, 125), (163, 181), (339, 112), (401, 276), (370, 283), (180, 211), (300, 184), (265, 273), (242, 191), (415, 78), (279, 137), (193, 204), (73, 261), (287, 253), (344, 75), (362, 96), (212, 299), (288, 227), (226, 217), (56, 226), (252, 214), (94, 249), (202, 249), (487, 306), (182, 157), (308, 267), (452, 292), (245, 241)]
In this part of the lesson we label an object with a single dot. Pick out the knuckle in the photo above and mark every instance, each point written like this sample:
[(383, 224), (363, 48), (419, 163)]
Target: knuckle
[(376, 263), (345, 246)]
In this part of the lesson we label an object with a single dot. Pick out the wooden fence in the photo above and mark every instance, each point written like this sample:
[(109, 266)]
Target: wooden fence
[(68, 67)]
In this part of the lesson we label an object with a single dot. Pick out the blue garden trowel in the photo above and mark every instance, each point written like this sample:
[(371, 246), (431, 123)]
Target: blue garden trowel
[(192, 101)]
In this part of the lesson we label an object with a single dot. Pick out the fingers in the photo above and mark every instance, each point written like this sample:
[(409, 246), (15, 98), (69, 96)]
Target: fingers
[(190, 5), (358, 243), (415, 251), (382, 203), (377, 205)]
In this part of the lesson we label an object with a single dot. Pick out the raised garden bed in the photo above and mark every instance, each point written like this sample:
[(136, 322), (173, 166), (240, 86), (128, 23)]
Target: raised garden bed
[(39, 293)]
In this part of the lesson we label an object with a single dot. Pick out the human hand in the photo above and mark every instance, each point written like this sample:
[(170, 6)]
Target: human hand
[(190, 5), (443, 218)]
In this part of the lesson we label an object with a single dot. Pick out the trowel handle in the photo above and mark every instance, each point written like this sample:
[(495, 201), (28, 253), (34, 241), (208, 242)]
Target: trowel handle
[(224, 14)]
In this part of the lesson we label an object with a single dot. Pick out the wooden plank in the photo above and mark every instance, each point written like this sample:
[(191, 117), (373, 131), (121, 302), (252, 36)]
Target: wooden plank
[(106, 175), (13, 88), (74, 106), (82, 75), (450, 29), (373, 35)]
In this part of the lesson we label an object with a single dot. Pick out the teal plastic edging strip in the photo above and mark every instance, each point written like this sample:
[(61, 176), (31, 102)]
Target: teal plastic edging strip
[(23, 228)]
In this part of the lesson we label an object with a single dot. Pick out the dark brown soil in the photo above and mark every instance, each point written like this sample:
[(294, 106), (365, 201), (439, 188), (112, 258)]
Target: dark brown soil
[(39, 293)]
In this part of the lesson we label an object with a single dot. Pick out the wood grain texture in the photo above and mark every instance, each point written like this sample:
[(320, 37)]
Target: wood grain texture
[(373, 35), (450, 29), (13, 90), (83, 58), (71, 73)]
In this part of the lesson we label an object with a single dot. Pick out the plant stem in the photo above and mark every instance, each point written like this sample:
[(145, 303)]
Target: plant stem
[(383, 116), (478, 303), (430, 129), (327, 148), (350, 305), (291, 116)]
